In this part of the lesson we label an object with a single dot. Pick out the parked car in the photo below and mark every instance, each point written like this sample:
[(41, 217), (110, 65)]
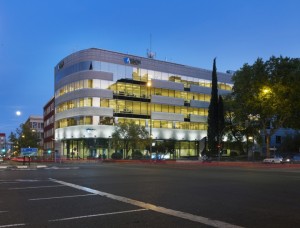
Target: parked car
[(287, 159), (291, 158), (296, 158), (273, 160)]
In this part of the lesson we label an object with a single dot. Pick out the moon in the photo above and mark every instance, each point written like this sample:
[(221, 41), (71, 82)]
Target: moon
[(18, 113)]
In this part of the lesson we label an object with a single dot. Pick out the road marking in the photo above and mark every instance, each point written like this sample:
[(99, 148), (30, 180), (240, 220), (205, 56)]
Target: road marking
[(12, 225), (96, 215), (9, 182), (180, 214), (62, 197), (3, 211), (47, 186), (55, 167), (26, 180)]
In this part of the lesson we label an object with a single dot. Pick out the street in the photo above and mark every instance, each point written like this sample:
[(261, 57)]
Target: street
[(149, 195)]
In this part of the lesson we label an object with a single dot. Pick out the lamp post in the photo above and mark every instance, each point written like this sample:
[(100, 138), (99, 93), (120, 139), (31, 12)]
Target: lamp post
[(150, 148)]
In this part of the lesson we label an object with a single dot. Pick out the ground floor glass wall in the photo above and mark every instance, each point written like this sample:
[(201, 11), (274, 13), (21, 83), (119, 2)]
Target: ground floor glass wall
[(100, 148)]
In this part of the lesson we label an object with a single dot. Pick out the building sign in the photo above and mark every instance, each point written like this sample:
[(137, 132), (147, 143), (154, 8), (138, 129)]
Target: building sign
[(61, 64), (29, 151), (132, 61)]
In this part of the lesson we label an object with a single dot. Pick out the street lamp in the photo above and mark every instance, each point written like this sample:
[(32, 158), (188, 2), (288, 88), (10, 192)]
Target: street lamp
[(150, 148)]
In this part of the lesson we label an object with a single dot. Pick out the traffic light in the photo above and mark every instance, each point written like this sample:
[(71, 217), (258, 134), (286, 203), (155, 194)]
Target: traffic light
[(3, 150), (49, 151)]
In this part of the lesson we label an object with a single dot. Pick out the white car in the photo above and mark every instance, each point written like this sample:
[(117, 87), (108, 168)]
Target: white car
[(274, 160)]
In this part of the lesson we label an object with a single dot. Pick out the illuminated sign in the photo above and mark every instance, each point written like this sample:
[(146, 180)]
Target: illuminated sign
[(29, 151), (132, 61)]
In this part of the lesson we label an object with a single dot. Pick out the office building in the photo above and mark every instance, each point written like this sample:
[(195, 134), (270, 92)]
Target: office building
[(96, 89)]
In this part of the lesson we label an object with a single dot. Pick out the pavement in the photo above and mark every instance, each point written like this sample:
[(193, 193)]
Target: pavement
[(63, 163)]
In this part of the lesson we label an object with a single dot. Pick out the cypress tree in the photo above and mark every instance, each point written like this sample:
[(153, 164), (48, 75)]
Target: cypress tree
[(213, 117)]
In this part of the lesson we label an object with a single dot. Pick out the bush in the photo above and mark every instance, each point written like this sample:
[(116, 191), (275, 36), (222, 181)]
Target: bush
[(116, 156)]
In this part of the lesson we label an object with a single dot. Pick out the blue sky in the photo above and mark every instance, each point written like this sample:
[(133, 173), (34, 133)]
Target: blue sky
[(35, 35)]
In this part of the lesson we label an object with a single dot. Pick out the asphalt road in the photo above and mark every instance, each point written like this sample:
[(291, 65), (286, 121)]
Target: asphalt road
[(149, 195)]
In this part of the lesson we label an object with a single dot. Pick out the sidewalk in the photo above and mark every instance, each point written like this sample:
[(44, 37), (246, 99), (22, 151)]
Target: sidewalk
[(194, 163)]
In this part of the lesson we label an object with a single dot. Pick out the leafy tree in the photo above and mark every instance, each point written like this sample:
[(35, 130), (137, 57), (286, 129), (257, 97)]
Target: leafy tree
[(212, 121), (129, 136), (24, 137), (221, 119), (265, 96)]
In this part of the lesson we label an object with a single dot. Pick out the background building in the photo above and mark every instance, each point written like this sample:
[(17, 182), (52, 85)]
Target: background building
[(3, 146), (96, 89), (49, 139), (36, 125)]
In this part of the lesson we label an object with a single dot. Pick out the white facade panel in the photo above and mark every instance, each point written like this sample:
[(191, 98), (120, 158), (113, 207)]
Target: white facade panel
[(198, 119), (167, 85), (84, 111), (200, 89), (199, 104), (82, 93), (167, 116), (167, 100)]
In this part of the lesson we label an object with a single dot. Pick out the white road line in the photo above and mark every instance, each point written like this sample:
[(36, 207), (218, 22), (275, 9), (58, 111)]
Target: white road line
[(26, 180), (62, 197), (47, 186), (3, 211), (96, 215), (9, 182), (180, 214), (12, 225)]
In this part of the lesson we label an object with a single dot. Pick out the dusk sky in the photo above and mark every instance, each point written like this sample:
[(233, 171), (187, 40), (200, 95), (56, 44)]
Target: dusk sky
[(36, 34)]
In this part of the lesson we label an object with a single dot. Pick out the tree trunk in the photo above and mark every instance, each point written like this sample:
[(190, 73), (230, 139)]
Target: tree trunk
[(268, 145)]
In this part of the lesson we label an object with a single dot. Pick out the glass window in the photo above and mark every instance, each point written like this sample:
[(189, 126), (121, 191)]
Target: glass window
[(171, 109), (104, 103), (157, 75), (177, 94), (120, 105), (88, 102), (136, 90), (171, 93), (136, 109), (144, 108), (165, 92), (165, 108), (177, 109), (157, 108), (113, 104), (150, 74), (144, 92), (165, 76), (128, 108), (158, 91)]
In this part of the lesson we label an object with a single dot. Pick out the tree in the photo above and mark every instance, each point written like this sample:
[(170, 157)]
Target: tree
[(24, 137), (221, 120), (212, 120), (129, 136), (267, 91)]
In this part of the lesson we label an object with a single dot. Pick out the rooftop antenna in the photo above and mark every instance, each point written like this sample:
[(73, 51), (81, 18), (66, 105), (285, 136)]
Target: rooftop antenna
[(150, 54)]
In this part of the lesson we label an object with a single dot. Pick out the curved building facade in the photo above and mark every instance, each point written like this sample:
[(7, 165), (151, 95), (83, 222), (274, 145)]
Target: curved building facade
[(96, 89)]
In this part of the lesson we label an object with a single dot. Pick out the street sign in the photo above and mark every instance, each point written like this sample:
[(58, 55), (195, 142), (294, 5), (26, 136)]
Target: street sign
[(29, 151)]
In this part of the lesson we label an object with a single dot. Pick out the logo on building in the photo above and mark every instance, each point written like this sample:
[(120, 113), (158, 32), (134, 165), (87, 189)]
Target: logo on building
[(132, 61)]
